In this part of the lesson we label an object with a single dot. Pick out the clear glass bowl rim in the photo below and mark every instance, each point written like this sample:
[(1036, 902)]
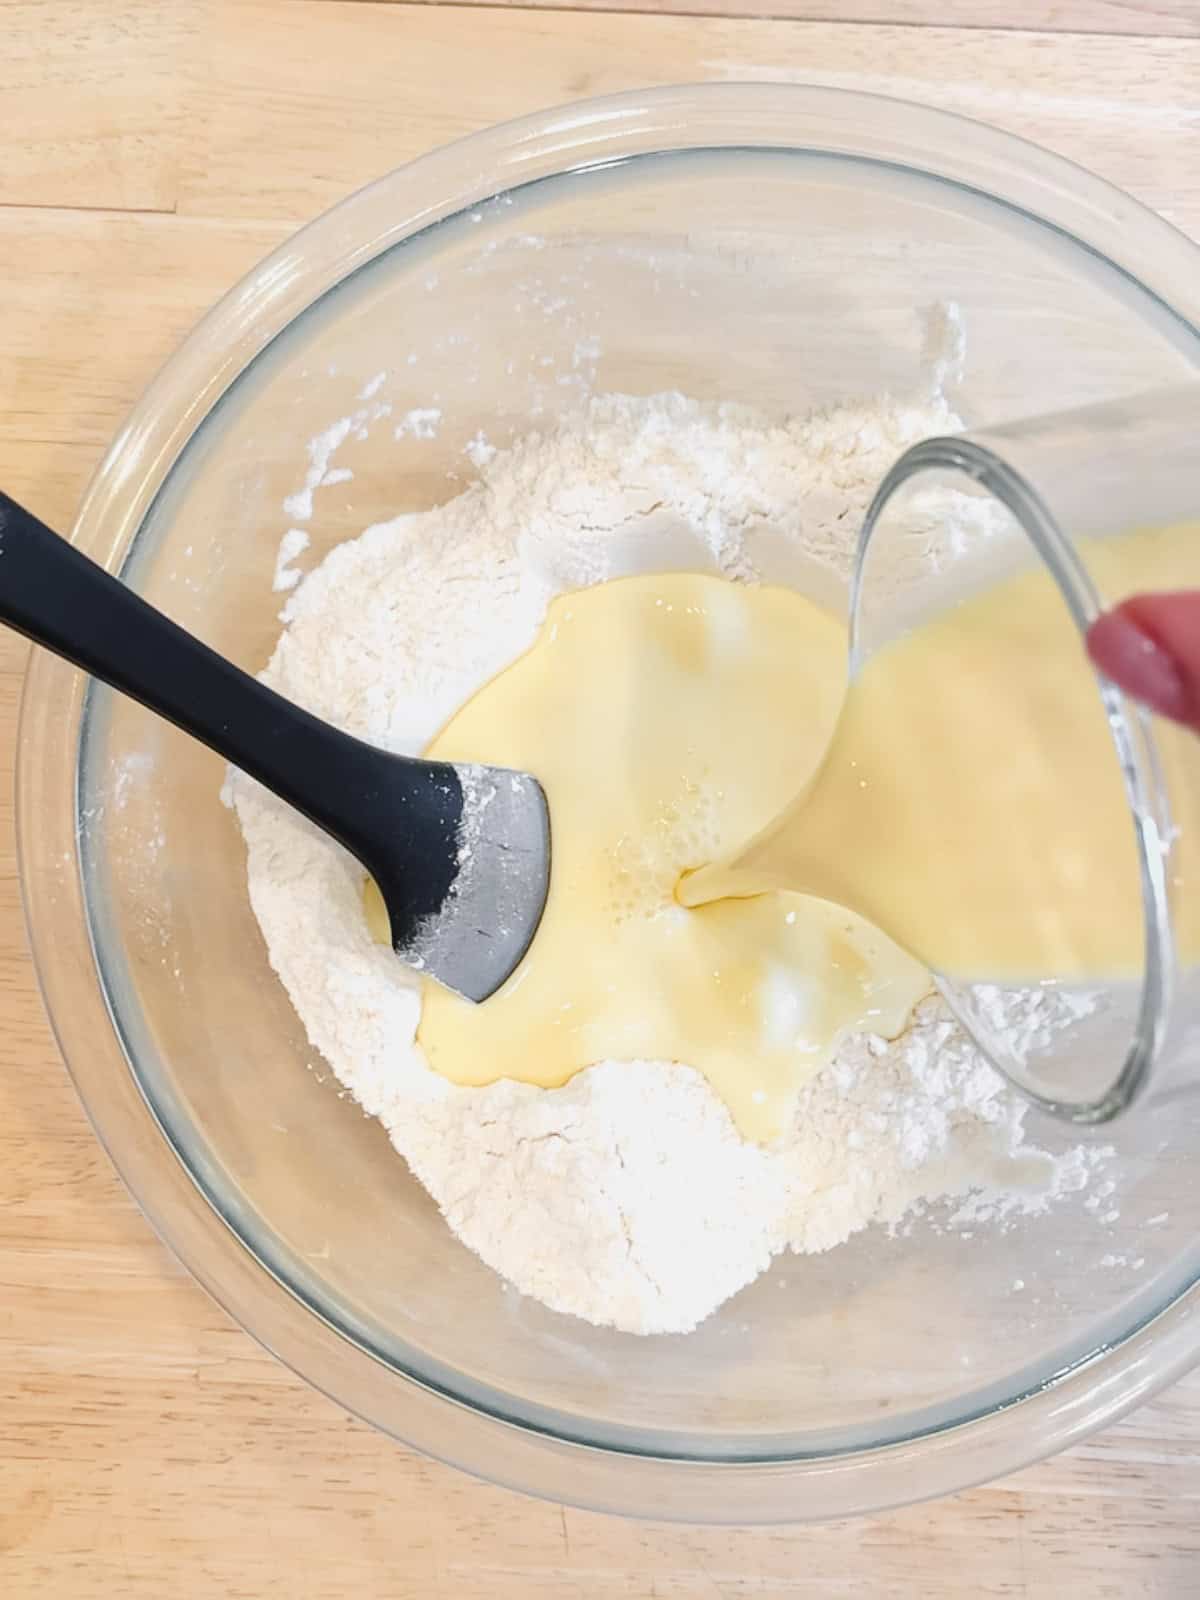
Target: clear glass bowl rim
[(805, 120)]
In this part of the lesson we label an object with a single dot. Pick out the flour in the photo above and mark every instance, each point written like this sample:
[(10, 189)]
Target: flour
[(294, 543), (322, 449), (626, 1197), (421, 422)]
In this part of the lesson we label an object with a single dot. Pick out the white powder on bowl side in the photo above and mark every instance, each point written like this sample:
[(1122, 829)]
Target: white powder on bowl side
[(626, 1197)]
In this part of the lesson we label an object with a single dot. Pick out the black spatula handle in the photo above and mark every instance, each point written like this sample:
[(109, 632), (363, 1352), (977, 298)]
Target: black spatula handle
[(400, 817)]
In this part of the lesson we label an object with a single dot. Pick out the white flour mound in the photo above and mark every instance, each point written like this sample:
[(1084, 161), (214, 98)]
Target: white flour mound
[(626, 1197)]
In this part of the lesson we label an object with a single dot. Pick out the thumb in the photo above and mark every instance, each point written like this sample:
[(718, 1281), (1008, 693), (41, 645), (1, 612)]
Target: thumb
[(1149, 646)]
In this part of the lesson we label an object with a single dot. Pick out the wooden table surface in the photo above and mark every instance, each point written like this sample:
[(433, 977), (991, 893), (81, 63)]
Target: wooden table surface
[(150, 153)]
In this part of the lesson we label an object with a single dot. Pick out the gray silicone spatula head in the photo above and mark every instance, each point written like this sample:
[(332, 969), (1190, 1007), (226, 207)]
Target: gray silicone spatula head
[(467, 911), (460, 854)]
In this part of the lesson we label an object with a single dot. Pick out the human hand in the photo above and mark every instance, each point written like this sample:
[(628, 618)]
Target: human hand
[(1149, 646)]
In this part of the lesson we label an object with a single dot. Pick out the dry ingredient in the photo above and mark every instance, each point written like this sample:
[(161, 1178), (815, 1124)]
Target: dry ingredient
[(626, 1197)]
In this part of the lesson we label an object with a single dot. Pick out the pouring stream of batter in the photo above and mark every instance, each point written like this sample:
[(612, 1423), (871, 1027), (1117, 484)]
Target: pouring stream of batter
[(971, 801)]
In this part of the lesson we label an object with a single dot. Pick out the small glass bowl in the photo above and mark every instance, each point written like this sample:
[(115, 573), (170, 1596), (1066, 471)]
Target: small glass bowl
[(1048, 492)]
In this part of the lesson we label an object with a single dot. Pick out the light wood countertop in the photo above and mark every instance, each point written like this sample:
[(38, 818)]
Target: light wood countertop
[(150, 153)]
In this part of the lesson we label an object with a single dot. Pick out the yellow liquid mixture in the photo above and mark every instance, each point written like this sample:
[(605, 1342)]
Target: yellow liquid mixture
[(968, 799), (971, 801), (666, 717)]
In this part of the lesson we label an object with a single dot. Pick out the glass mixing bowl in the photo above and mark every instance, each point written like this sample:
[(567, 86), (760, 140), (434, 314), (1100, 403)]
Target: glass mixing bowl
[(775, 245)]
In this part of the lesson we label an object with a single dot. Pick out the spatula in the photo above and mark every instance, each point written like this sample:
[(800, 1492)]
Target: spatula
[(460, 853)]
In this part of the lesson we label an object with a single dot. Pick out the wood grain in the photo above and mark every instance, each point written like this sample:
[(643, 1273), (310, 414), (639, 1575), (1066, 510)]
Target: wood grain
[(360, 88), (1150, 17), (90, 102), (94, 303), (147, 1447)]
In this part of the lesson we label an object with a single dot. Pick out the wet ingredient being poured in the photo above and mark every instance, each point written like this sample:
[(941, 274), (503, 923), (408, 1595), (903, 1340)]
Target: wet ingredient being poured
[(665, 717), (972, 802)]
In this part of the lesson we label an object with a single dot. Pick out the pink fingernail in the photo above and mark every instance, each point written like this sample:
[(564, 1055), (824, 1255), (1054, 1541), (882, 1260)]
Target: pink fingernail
[(1138, 664)]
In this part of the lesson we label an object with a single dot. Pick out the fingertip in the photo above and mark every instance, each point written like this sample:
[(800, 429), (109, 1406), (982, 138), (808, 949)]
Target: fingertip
[(1123, 648)]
